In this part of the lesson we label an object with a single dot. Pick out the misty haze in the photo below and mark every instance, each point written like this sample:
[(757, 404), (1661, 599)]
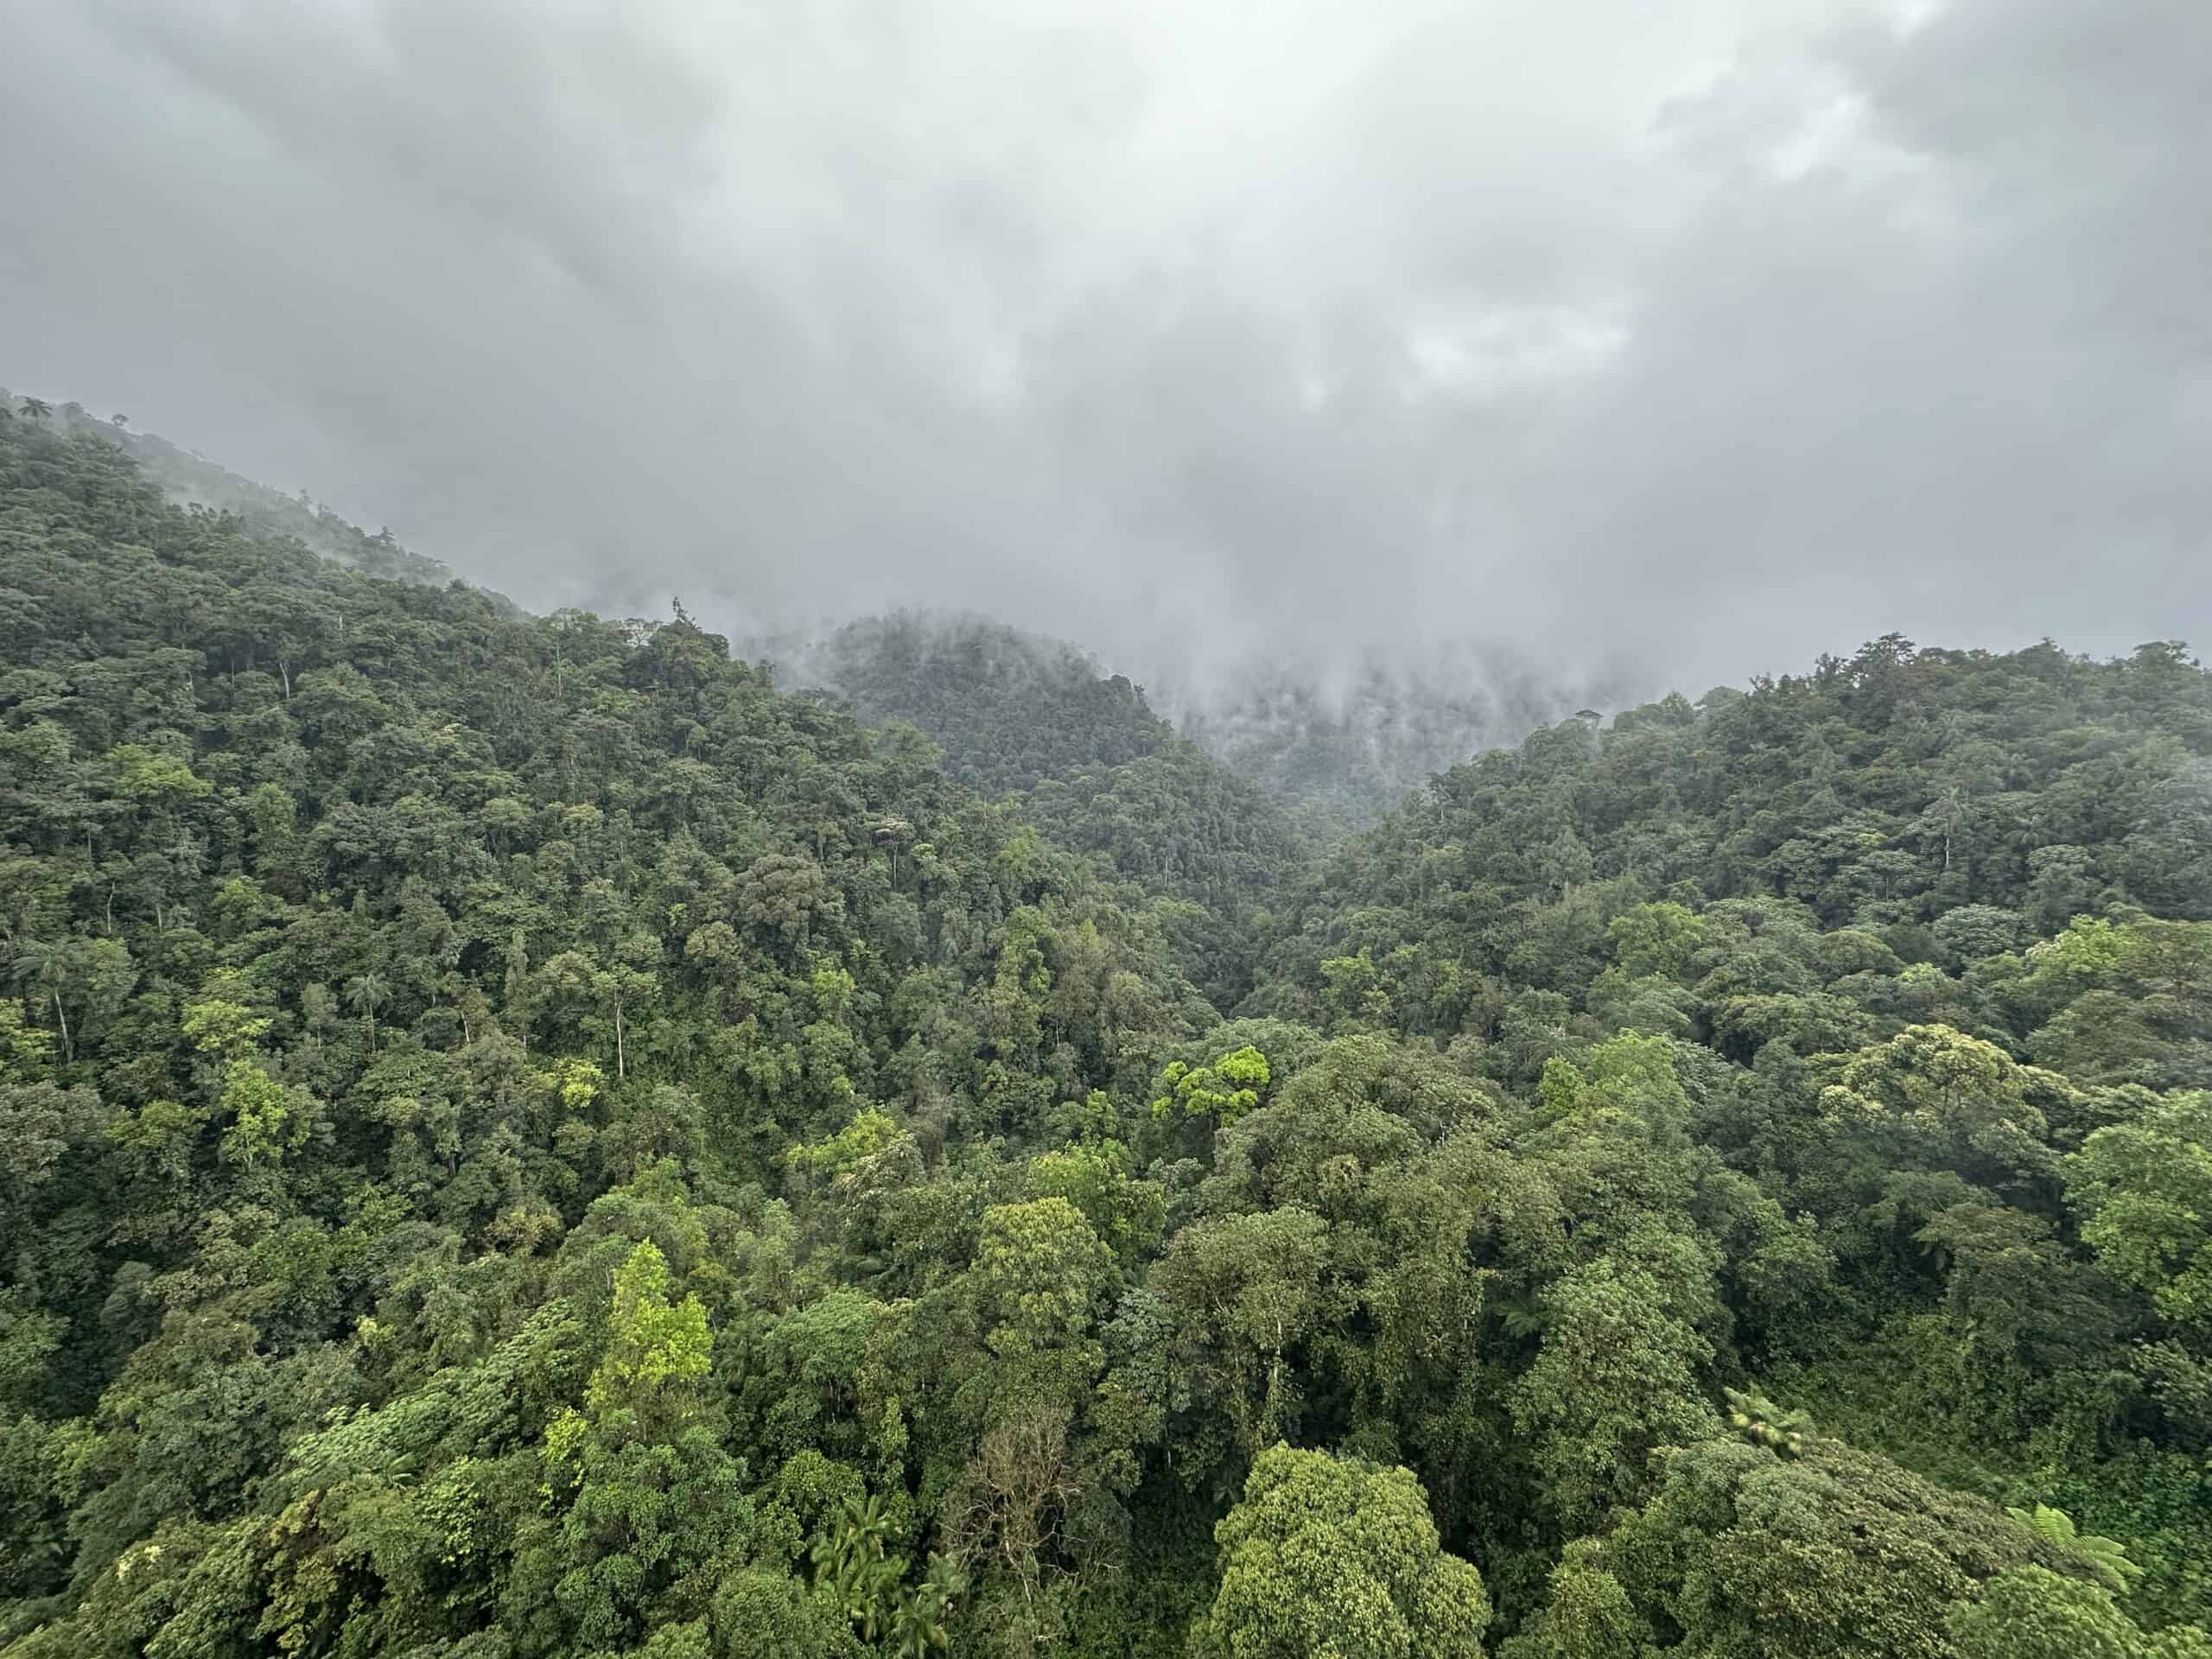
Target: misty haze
[(1180, 831)]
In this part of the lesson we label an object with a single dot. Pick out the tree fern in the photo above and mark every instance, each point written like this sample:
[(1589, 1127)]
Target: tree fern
[(2107, 1557)]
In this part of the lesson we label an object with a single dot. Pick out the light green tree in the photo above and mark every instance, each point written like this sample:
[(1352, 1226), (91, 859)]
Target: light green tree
[(2143, 1192), (1329, 1558), (656, 1348), (1220, 1093)]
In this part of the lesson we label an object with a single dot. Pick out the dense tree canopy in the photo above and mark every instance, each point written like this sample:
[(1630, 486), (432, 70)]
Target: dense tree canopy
[(519, 1139), (1079, 752)]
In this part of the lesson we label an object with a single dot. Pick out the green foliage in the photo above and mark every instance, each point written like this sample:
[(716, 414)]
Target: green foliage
[(1220, 1094), (655, 1347), (1831, 1553), (2107, 1555), (520, 1140), (1082, 755), (2143, 1190), (1758, 1420), (1616, 1379), (870, 1132), (1338, 1558), (2033, 1613), (143, 773)]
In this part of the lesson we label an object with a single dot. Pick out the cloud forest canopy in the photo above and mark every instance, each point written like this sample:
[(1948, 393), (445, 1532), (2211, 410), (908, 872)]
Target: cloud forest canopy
[(519, 1138)]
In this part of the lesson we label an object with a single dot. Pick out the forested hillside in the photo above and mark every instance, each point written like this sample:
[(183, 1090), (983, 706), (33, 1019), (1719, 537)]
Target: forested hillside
[(1009, 709), (519, 1138), (192, 480), (1082, 755)]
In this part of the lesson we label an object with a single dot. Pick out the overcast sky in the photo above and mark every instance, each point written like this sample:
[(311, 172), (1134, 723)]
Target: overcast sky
[(1697, 337)]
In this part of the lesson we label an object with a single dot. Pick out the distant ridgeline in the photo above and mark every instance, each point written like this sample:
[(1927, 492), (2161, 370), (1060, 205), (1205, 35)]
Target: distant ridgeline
[(1008, 708), (1085, 759), (191, 479), (1346, 744), (1338, 745)]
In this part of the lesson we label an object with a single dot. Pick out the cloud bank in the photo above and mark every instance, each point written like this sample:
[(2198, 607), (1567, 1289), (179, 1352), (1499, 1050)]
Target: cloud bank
[(1679, 342)]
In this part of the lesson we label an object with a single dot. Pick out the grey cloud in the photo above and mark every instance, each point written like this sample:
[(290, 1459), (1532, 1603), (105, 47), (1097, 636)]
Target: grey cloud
[(1666, 344)]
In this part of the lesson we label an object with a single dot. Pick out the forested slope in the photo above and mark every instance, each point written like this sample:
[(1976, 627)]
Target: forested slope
[(1924, 934), (189, 479), (519, 1138), (1009, 709), (1081, 755)]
